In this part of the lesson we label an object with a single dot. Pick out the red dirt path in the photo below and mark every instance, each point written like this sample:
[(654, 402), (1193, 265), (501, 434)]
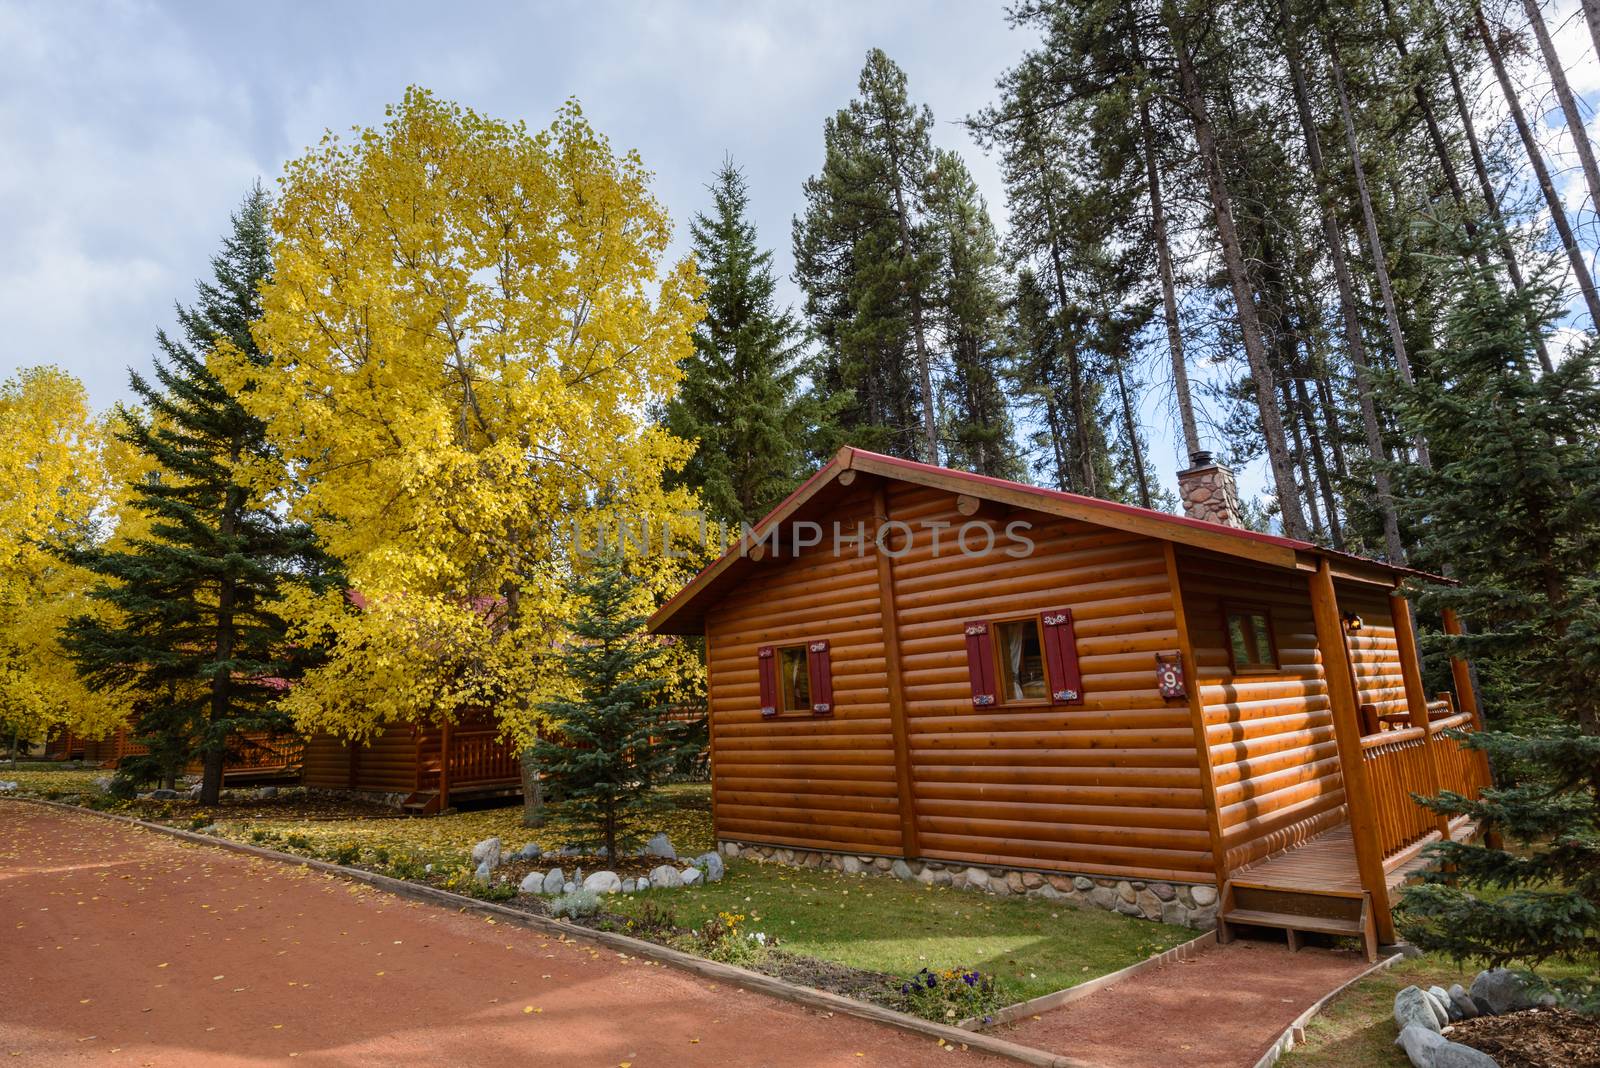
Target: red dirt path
[(1222, 1009), (120, 946)]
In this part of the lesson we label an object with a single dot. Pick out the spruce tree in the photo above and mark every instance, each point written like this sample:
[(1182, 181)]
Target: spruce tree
[(195, 629), (1512, 508), (866, 257), (740, 398), (975, 424), (612, 741)]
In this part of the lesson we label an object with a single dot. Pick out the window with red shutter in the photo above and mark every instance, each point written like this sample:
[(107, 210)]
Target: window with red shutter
[(820, 663), (767, 670), (1061, 656), (980, 662)]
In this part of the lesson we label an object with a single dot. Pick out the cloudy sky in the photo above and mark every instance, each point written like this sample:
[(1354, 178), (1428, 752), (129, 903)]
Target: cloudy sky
[(129, 129)]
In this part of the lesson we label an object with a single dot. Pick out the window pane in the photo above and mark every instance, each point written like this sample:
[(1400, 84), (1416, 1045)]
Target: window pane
[(1263, 640), (1250, 640), (1240, 638), (1021, 657), (795, 671)]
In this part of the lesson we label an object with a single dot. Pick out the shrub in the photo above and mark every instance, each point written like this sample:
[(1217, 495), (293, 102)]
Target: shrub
[(950, 994), (297, 841), (723, 938), (653, 921), (576, 905), (345, 853)]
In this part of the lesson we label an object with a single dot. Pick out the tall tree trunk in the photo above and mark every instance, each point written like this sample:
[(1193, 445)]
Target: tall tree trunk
[(1355, 344), (1569, 104), (1320, 461), (1169, 289), (1131, 428), (1330, 418), (1491, 201), (1558, 214), (532, 789), (1591, 15), (1294, 522), (1082, 443), (214, 752), (1302, 460), (930, 426), (1369, 217)]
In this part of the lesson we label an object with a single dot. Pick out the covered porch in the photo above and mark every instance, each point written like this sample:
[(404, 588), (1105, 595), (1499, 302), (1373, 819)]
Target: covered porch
[(1344, 880)]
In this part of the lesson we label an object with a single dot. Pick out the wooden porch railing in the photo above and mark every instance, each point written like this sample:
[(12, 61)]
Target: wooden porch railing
[(1421, 761), (477, 758)]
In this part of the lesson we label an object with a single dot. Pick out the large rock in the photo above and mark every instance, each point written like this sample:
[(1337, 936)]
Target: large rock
[(531, 851), (660, 846), (10, 784), (554, 880), (1419, 1042), (1441, 1004), (1413, 1007), (532, 883), (166, 795), (482, 874), (487, 852), (690, 876), (643, 884), (711, 864), (603, 882), (1441, 997), (901, 870), (1429, 1050), (629, 886), (1204, 895), (1461, 1001), (978, 878), (665, 876), (1501, 990)]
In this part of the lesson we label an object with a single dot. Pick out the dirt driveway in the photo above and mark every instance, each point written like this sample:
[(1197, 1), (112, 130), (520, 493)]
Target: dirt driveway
[(120, 946)]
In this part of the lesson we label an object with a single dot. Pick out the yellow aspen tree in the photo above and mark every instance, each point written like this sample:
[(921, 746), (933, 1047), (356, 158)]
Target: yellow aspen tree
[(469, 325), (61, 468)]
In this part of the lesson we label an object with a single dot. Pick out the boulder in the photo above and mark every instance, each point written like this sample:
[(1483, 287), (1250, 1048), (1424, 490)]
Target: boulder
[(1419, 1042), (531, 851), (690, 876), (1501, 990), (487, 852), (1413, 1008), (851, 866), (1428, 1050), (532, 883), (482, 874), (629, 886), (642, 885), (978, 878), (665, 877), (554, 880), (11, 784), (660, 846), (603, 882), (1441, 997), (1441, 1008), (569, 887), (168, 795), (711, 864), (1463, 1004), (901, 870)]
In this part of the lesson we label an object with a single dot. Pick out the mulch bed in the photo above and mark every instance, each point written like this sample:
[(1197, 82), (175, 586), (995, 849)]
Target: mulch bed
[(1535, 1038)]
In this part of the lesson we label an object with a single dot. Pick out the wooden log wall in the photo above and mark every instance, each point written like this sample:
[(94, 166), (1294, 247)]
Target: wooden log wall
[(388, 765), (1111, 785), (825, 782), (1270, 736), (1374, 650)]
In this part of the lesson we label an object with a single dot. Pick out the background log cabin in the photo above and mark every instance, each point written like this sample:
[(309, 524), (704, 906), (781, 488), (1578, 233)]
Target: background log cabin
[(878, 693), (427, 768)]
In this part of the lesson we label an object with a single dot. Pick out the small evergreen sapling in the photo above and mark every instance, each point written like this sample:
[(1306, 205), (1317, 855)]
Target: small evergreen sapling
[(611, 743)]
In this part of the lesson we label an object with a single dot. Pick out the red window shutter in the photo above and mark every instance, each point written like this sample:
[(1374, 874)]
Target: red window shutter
[(820, 661), (980, 662), (767, 669), (1061, 656)]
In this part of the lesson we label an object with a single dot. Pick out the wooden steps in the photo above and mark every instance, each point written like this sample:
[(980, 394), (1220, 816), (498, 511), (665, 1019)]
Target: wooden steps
[(421, 803), (1295, 911)]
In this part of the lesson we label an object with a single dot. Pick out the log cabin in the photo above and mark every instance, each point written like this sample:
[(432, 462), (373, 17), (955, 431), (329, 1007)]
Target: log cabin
[(253, 756), (425, 769), (976, 682)]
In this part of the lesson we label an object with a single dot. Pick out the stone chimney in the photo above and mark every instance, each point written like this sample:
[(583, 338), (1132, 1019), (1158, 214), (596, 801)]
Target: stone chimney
[(1208, 491)]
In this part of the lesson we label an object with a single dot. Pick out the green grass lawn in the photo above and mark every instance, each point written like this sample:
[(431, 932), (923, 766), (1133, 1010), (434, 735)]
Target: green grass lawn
[(1358, 1026), (882, 924)]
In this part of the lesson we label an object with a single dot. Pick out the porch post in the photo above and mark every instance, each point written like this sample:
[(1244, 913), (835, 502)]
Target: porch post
[(1461, 674), (1347, 731), (444, 765), (1405, 637)]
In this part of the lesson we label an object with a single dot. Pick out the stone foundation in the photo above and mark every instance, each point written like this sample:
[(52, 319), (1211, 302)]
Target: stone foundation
[(1182, 904)]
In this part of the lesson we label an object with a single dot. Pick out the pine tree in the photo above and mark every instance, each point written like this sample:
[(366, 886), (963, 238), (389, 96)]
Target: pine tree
[(1513, 507), (195, 628), (740, 397), (612, 742), (867, 259), (975, 424)]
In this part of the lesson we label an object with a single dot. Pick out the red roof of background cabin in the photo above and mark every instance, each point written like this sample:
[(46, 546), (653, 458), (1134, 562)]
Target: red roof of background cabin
[(1178, 528)]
